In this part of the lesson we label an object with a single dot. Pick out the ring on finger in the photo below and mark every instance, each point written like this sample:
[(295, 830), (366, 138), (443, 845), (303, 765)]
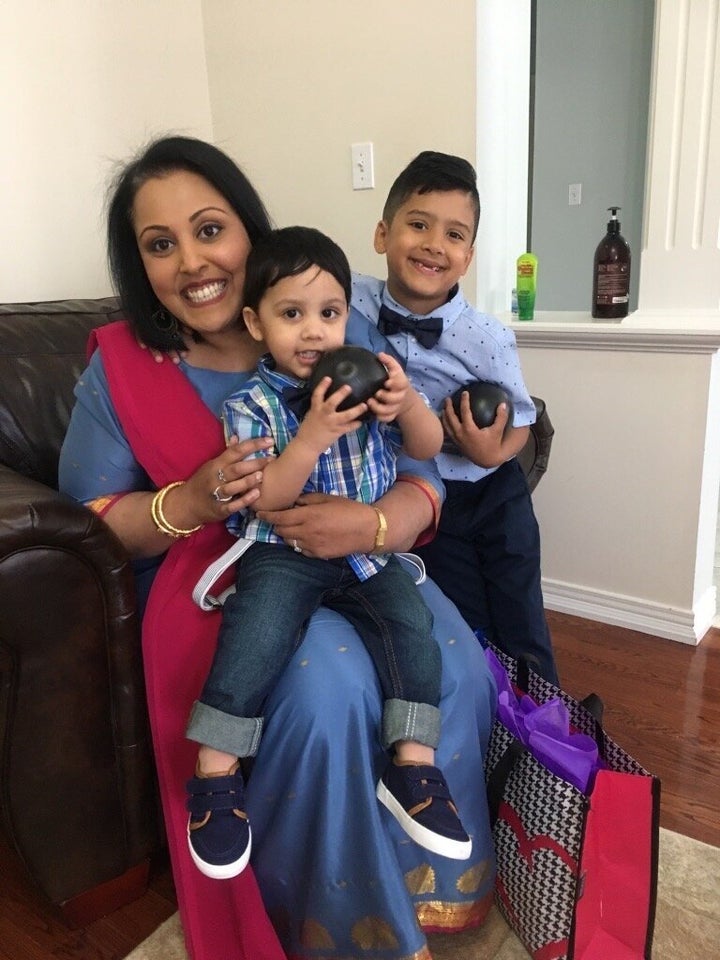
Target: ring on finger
[(295, 547), (221, 476), (216, 496)]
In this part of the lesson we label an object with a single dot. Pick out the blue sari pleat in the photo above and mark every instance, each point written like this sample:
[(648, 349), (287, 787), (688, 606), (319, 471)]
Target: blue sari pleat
[(339, 877)]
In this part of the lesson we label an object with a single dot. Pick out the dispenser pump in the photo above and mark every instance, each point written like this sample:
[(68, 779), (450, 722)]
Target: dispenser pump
[(611, 273), (613, 223)]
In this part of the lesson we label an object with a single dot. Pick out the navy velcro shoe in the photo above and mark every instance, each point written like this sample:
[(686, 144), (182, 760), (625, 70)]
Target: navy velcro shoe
[(419, 799), (218, 829)]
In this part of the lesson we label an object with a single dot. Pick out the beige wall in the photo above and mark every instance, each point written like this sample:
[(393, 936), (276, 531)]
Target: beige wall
[(83, 84), (293, 83), (614, 469)]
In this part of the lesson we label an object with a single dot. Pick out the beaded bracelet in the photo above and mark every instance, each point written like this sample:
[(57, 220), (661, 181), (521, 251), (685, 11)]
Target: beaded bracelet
[(161, 521)]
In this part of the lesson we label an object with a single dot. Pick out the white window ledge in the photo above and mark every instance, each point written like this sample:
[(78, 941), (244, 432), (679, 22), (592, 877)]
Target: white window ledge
[(648, 331)]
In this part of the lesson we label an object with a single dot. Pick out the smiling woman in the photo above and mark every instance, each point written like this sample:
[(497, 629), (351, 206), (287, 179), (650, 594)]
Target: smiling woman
[(180, 226), (193, 247)]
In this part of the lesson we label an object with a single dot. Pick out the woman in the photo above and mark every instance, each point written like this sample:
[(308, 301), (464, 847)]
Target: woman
[(144, 449)]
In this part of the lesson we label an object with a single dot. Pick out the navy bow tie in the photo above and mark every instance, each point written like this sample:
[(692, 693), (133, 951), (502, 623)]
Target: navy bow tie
[(297, 399), (426, 332)]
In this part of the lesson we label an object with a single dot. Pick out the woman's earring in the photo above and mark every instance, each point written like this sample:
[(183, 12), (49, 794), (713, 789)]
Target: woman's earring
[(166, 323)]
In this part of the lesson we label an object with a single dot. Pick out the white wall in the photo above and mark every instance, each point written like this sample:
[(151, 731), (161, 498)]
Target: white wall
[(83, 85), (681, 236), (628, 507), (503, 35), (294, 84)]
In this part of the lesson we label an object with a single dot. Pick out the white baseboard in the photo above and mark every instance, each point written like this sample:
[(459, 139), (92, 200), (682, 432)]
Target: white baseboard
[(672, 623)]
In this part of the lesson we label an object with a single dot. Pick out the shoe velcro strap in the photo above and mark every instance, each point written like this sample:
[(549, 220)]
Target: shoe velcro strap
[(428, 782), (214, 793)]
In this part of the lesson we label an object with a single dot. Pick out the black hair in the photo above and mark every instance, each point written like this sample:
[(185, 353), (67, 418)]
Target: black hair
[(287, 253), (160, 158), (429, 172)]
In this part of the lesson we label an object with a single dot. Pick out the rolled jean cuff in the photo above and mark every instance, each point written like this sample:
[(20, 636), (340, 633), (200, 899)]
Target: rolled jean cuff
[(239, 736), (406, 720)]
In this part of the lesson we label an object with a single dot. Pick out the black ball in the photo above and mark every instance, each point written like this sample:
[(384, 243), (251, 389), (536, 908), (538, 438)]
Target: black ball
[(356, 366), (484, 401)]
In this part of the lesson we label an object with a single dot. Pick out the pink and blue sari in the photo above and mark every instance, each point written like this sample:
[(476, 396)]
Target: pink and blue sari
[(333, 877)]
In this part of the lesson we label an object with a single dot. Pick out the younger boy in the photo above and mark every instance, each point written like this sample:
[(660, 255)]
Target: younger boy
[(486, 554), (297, 295)]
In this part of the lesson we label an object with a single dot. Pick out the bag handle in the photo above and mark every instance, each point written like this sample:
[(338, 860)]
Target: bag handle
[(497, 781), (592, 702), (595, 707), (495, 785), (510, 758)]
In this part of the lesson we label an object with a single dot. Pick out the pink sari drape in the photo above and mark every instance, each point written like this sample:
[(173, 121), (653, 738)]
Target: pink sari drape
[(172, 433)]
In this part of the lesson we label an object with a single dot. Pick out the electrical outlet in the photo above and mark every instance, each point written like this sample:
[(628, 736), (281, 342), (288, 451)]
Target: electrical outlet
[(363, 171), (575, 194)]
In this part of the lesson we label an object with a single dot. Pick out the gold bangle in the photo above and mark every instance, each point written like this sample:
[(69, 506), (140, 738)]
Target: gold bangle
[(159, 518), (381, 530)]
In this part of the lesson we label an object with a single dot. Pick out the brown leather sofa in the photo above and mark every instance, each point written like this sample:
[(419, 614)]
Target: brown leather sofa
[(534, 456), (77, 792), (77, 788)]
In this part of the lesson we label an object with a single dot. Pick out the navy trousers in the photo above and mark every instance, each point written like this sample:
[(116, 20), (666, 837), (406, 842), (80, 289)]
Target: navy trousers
[(486, 558)]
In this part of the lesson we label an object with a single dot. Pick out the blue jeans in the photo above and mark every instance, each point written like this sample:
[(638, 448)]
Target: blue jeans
[(264, 622)]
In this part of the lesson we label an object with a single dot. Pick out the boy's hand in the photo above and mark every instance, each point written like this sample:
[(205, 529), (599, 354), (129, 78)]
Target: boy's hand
[(324, 423), (484, 446), (395, 396)]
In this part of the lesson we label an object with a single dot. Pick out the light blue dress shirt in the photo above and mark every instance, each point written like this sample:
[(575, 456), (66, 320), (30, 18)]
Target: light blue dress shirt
[(472, 346)]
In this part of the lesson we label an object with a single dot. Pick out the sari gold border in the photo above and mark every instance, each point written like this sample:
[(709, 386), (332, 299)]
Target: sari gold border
[(101, 505), (435, 916)]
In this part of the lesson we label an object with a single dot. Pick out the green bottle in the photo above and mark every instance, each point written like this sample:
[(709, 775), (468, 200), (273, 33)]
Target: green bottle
[(527, 264)]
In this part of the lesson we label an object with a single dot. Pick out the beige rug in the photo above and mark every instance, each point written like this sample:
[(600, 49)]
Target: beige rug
[(687, 925)]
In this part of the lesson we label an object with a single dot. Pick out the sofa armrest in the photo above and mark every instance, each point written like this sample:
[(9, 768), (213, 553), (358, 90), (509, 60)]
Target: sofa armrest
[(534, 456), (77, 793)]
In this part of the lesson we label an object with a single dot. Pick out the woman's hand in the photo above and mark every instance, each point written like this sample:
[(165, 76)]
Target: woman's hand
[(329, 526), (191, 503), (228, 482), (325, 526)]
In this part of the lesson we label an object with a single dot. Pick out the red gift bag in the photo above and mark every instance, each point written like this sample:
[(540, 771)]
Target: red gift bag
[(576, 870)]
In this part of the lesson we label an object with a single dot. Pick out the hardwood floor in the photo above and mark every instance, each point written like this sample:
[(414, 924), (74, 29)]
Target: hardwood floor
[(662, 703)]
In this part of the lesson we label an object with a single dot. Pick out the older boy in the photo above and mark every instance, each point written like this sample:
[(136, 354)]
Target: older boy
[(486, 555)]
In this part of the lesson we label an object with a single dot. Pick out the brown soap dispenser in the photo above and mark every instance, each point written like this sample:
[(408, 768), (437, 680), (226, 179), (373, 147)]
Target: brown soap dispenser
[(611, 273)]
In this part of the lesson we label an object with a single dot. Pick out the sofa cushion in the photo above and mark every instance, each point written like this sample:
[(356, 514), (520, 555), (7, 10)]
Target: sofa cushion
[(42, 353)]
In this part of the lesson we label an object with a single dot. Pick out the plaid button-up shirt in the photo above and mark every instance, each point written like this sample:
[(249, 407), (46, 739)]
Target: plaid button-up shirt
[(359, 465)]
